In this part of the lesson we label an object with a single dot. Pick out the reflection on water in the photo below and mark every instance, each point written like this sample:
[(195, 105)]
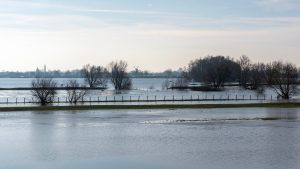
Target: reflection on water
[(193, 139)]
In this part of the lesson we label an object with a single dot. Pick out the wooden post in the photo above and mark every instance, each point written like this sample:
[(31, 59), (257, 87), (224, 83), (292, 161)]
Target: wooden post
[(155, 98), (105, 98), (191, 97), (129, 98), (236, 97), (250, 97), (7, 100), (173, 98), (164, 98), (271, 97), (58, 100), (114, 98), (98, 99), (122, 98), (16, 100), (139, 98), (243, 97), (24, 100), (66, 100), (264, 97), (228, 97), (213, 97)]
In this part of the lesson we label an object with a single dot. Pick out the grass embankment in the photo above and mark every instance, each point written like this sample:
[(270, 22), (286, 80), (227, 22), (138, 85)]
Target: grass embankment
[(161, 106)]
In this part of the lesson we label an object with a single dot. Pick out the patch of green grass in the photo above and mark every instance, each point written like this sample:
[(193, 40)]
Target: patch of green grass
[(162, 106)]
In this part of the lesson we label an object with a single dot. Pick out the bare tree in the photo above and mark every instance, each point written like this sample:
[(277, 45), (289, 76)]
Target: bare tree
[(257, 76), (43, 90), (94, 76), (75, 92), (282, 77), (245, 65), (119, 76)]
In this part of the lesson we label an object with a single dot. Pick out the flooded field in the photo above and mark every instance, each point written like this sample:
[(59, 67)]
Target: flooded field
[(180, 139)]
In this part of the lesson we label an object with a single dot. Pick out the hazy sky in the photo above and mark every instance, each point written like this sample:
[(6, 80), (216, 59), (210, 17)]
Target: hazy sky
[(149, 34)]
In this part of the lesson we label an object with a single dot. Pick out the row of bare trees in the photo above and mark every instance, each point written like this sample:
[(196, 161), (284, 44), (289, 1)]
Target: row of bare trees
[(97, 76), (45, 89), (218, 70)]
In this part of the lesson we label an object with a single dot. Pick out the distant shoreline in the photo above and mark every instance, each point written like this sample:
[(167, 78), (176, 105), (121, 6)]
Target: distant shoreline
[(161, 106)]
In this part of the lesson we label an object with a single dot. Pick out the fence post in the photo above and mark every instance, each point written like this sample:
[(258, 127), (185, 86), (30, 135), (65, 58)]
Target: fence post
[(164, 98), (228, 97), (139, 98), (82, 99), (173, 98), (181, 98), (213, 97), (16, 100), (243, 97), (250, 97), (191, 97), (271, 97), (114, 98), (66, 99), (122, 98), (105, 98), (58, 100), (147, 98), (198, 98), (236, 97), (155, 98), (24, 100), (129, 98), (98, 99), (264, 97), (7, 100)]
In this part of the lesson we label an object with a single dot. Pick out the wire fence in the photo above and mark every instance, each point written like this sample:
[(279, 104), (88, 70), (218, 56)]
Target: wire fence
[(144, 99)]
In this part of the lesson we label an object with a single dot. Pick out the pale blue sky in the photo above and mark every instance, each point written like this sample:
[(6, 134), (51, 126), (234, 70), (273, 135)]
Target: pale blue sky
[(151, 34)]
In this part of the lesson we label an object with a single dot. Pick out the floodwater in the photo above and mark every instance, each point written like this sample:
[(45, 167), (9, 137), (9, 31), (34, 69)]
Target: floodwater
[(177, 139), (143, 88)]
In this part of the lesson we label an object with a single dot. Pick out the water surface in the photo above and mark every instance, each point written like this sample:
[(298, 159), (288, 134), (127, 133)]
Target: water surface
[(189, 138)]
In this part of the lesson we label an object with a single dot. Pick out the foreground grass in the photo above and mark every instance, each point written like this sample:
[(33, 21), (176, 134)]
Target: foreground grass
[(158, 106)]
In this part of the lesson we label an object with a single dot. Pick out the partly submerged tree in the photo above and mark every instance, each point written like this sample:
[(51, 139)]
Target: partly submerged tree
[(43, 90), (214, 70), (282, 77), (75, 92), (245, 72), (119, 76), (94, 76), (257, 76)]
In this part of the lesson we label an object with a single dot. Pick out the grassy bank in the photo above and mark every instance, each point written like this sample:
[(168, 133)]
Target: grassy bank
[(164, 106)]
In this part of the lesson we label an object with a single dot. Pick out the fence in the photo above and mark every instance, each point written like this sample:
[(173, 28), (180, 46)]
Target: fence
[(145, 99)]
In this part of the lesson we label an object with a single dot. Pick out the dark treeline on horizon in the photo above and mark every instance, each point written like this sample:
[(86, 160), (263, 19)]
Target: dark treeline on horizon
[(77, 73)]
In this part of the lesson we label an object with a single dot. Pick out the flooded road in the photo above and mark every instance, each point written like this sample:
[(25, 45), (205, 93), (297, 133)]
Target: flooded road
[(189, 138)]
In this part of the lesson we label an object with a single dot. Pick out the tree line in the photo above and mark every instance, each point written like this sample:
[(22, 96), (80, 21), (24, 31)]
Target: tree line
[(44, 89), (215, 71), (212, 71)]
